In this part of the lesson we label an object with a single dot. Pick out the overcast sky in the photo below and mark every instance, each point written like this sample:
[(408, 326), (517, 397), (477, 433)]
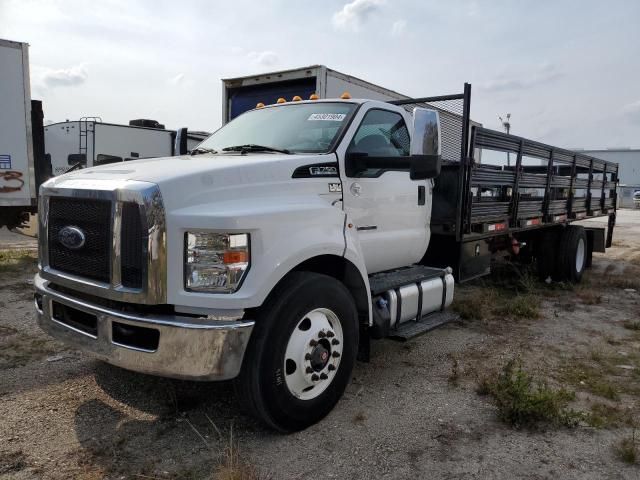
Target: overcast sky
[(567, 71)]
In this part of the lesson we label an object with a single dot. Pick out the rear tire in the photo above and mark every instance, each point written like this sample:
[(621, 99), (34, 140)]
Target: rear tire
[(275, 384), (547, 256), (572, 254)]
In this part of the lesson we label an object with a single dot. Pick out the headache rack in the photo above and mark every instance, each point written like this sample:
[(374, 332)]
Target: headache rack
[(494, 184)]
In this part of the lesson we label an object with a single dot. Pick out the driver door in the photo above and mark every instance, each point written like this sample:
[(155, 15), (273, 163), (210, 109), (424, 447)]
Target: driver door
[(390, 211)]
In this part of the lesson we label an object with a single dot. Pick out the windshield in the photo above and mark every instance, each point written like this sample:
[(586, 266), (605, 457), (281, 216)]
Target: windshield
[(298, 128)]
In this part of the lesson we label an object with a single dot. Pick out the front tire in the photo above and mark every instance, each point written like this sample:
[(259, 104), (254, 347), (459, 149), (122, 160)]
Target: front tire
[(302, 352)]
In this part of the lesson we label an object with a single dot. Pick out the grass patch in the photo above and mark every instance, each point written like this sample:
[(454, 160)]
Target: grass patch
[(234, 466), (632, 325), (525, 402), (524, 306), (13, 260), (628, 449), (488, 303), (602, 415), (19, 350), (591, 378)]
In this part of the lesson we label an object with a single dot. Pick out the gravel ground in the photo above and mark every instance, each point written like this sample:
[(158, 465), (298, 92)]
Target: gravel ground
[(409, 413)]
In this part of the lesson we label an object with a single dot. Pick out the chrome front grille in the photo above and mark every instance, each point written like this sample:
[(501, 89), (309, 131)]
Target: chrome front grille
[(123, 251), (93, 218)]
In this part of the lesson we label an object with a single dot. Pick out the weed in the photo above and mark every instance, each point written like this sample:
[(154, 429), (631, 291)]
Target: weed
[(20, 350), (13, 260), (359, 417), (454, 375), (602, 415), (524, 306), (628, 449), (474, 304), (589, 297), (234, 466), (523, 402), (632, 325)]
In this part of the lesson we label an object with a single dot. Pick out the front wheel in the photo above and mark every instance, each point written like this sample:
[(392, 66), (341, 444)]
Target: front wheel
[(301, 353)]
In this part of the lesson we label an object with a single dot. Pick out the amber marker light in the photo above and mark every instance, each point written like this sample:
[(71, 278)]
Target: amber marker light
[(313, 96), (260, 105), (296, 99), (345, 96), (281, 100)]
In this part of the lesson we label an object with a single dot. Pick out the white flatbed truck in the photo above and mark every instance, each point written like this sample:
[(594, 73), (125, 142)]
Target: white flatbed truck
[(296, 233)]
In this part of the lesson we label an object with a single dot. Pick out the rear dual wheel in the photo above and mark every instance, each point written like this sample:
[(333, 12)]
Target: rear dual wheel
[(563, 255), (301, 354)]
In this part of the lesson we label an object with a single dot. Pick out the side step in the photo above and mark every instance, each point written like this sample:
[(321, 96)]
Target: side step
[(427, 323)]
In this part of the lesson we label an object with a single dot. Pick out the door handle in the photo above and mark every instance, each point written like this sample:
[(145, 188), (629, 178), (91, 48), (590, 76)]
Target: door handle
[(421, 195)]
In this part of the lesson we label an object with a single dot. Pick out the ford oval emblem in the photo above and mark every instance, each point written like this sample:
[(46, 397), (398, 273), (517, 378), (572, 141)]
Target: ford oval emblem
[(72, 237)]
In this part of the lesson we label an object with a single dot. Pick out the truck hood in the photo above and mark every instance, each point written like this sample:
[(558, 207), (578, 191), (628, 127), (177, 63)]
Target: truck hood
[(191, 180)]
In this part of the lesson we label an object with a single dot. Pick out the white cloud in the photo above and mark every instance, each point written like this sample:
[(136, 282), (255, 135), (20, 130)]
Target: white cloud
[(177, 80), (65, 77), (543, 74), (266, 58), (353, 15), (632, 112), (398, 27)]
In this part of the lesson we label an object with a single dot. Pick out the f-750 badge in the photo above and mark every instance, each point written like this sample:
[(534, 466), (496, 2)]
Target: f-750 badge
[(323, 171)]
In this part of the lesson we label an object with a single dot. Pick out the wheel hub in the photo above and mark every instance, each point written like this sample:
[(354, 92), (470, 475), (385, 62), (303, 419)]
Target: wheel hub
[(320, 355), (313, 353)]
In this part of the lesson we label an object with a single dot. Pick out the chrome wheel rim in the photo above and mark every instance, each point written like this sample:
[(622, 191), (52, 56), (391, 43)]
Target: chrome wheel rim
[(580, 255), (313, 353)]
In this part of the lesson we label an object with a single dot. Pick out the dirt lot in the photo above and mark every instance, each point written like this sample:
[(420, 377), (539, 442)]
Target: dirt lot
[(418, 410)]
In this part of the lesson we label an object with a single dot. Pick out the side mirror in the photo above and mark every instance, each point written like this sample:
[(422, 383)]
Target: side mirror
[(426, 132), (425, 144), (424, 167)]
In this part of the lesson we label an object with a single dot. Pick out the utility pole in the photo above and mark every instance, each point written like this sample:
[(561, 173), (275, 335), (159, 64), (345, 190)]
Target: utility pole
[(506, 124)]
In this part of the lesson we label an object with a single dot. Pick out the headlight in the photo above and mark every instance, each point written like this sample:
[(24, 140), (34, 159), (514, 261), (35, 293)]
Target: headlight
[(215, 262)]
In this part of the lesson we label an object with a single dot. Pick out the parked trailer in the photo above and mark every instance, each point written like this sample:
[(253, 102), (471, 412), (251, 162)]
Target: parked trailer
[(22, 167), (90, 141)]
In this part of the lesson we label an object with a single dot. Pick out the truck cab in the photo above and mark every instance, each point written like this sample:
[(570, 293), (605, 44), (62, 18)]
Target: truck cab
[(269, 255)]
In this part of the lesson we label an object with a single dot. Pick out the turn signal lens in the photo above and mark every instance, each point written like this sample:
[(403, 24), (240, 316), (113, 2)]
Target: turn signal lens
[(313, 96), (281, 100), (235, 256), (345, 96), (296, 99)]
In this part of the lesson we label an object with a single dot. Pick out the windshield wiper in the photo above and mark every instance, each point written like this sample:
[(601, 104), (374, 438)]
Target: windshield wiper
[(198, 151), (252, 147)]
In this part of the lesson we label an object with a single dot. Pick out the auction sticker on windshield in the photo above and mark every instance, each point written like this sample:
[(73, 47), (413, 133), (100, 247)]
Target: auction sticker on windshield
[(333, 117)]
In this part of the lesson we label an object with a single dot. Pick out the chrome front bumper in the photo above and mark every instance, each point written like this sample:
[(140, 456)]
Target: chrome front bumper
[(169, 345)]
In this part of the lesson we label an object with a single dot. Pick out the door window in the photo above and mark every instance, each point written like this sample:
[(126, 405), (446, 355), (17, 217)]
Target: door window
[(381, 134)]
